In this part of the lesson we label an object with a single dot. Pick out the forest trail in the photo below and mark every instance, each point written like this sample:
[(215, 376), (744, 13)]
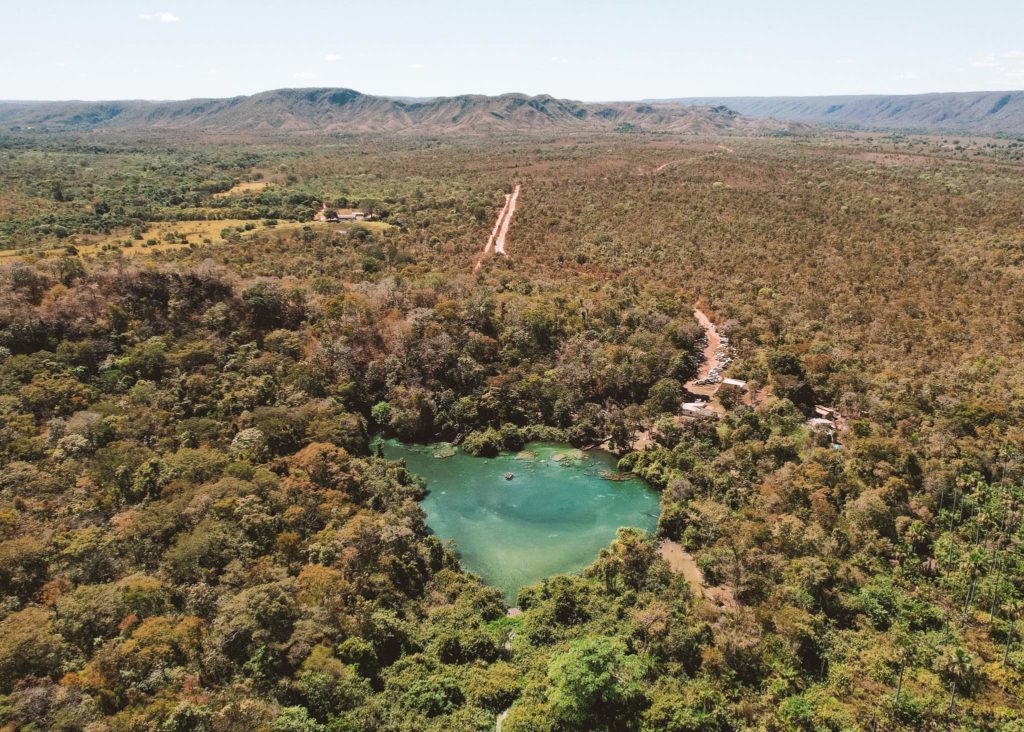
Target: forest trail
[(682, 562), (496, 241), (663, 166), (500, 721)]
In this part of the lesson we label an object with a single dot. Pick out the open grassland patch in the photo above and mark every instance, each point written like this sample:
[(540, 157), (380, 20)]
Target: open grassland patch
[(159, 236), (166, 236), (245, 187)]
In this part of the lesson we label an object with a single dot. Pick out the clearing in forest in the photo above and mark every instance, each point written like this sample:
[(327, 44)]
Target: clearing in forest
[(252, 185), (681, 562), (164, 236)]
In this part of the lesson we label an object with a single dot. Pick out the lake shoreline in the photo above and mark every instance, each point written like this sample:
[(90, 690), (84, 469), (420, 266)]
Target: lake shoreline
[(559, 508)]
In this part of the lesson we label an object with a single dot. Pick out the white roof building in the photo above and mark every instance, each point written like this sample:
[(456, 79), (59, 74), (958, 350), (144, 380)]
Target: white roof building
[(699, 409)]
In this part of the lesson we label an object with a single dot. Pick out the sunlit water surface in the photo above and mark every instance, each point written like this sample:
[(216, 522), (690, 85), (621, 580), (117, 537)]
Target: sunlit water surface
[(552, 517)]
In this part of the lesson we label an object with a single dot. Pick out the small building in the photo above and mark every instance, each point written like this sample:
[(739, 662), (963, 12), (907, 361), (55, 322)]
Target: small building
[(826, 412), (344, 214), (738, 383), (698, 409)]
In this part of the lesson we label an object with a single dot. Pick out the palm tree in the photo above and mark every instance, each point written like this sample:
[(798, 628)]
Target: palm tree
[(959, 669), (904, 645), (1012, 608)]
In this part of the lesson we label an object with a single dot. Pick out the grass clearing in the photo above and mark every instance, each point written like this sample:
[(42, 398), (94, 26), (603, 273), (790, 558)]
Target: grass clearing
[(245, 187), (375, 226), (165, 236)]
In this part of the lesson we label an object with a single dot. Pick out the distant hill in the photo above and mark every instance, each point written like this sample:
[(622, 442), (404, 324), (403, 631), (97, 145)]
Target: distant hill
[(345, 110), (975, 112)]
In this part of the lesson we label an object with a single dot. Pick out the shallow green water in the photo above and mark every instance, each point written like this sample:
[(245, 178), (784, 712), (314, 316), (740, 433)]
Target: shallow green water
[(552, 518)]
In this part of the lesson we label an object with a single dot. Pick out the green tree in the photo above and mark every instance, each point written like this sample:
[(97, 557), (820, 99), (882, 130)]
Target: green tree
[(596, 686), (665, 396)]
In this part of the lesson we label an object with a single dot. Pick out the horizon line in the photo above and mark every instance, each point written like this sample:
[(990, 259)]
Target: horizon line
[(426, 98)]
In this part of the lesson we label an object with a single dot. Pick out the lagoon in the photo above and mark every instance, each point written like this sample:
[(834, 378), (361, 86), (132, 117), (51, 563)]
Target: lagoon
[(553, 517)]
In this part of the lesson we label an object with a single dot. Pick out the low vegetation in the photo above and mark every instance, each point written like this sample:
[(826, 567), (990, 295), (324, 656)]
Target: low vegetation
[(195, 533)]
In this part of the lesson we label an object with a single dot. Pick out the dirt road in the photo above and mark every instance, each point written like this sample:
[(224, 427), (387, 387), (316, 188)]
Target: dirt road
[(510, 208), (496, 241), (497, 225), (710, 360)]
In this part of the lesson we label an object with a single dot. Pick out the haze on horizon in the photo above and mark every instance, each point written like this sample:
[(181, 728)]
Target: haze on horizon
[(177, 49)]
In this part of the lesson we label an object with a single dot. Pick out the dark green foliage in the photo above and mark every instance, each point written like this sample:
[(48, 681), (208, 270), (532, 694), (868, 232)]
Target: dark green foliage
[(194, 534)]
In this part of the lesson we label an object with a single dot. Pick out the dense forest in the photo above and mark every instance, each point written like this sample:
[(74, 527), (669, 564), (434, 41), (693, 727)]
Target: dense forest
[(196, 532)]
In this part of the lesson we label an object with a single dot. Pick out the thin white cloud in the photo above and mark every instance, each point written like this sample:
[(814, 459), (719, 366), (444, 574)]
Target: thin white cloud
[(162, 16), (332, 57), (417, 66), (1009, 64), (909, 76), (988, 61), (305, 75)]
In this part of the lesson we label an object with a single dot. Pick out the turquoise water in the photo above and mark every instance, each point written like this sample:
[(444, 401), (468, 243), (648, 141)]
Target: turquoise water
[(552, 518)]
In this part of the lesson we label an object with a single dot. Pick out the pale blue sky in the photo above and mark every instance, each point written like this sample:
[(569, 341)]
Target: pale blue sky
[(597, 50)]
